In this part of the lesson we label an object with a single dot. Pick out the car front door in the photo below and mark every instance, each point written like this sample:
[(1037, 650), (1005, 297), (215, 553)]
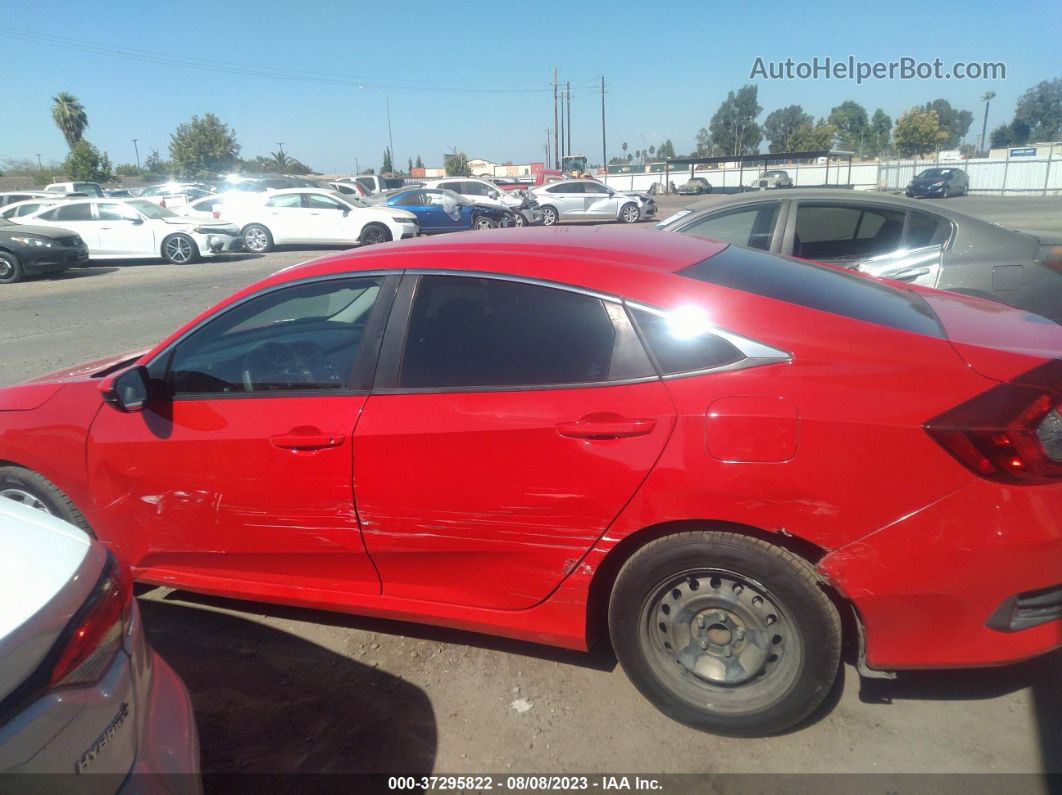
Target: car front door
[(124, 232), (239, 467), (328, 220), (509, 424), (567, 197), (600, 201)]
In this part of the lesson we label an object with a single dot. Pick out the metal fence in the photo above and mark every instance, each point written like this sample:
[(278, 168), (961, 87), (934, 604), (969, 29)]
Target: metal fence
[(1012, 176)]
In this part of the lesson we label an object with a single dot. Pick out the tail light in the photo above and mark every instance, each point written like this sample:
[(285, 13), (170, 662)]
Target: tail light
[(95, 634), (1051, 256), (1012, 433)]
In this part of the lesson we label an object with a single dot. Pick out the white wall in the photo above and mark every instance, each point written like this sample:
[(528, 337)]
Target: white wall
[(864, 176), (1016, 176)]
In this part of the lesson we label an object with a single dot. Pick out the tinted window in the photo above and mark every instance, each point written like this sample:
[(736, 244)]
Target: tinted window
[(299, 338), (752, 226), (823, 288), (79, 211), (415, 198), (926, 230), (287, 200), (474, 189), (566, 187), (471, 332), (317, 202), (846, 231), (681, 353)]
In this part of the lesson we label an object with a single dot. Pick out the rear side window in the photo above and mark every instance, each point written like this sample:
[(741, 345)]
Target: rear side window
[(817, 287), (846, 231), (926, 230), (73, 212), (473, 332), (683, 353)]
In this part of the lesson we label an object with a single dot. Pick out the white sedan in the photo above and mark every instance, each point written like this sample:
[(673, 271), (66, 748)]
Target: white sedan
[(588, 199), (80, 689), (138, 229), (308, 216)]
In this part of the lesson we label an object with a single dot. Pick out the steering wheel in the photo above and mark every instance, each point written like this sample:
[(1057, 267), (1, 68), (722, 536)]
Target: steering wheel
[(275, 363)]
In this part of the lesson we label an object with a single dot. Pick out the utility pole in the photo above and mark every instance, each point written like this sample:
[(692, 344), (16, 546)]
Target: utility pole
[(40, 165), (548, 160), (568, 99), (390, 140), (556, 141), (137, 150), (604, 157), (563, 141)]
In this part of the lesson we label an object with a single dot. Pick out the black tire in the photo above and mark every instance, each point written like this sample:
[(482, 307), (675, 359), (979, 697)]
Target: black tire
[(257, 239), (550, 216), (36, 491), (519, 220), (10, 268), (743, 661), (372, 234), (481, 222), (708, 189), (626, 215), (179, 249)]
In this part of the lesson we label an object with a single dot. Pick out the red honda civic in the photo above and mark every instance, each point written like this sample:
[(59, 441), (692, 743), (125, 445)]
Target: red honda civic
[(731, 463)]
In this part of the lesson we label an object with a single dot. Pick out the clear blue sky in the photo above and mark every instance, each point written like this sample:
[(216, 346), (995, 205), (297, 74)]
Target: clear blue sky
[(476, 75)]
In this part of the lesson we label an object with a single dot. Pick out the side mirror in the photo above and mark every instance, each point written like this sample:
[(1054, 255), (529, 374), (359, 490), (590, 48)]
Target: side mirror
[(136, 221), (494, 194), (128, 391), (346, 211)]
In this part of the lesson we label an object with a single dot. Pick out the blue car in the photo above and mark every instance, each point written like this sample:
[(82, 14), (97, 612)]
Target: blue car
[(439, 210)]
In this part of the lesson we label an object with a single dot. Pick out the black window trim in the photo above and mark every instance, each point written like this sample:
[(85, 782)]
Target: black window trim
[(365, 359), (757, 354), (390, 361)]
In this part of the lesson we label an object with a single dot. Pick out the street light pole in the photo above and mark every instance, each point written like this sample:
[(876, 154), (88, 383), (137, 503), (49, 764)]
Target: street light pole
[(281, 145), (390, 140), (137, 150)]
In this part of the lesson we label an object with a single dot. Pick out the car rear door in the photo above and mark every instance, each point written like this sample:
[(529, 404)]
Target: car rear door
[(509, 424), (240, 468), (78, 217), (286, 218)]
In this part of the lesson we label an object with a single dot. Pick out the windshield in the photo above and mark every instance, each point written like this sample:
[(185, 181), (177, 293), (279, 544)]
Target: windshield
[(150, 209), (929, 173)]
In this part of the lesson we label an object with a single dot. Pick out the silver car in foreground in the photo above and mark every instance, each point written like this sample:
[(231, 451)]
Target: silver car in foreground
[(590, 200), (81, 692), (892, 237)]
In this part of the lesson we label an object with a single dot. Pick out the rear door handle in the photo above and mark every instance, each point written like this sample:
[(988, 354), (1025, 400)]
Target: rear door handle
[(606, 426), (310, 439)]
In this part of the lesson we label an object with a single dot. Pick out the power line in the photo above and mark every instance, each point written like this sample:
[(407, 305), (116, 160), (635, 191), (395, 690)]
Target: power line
[(277, 73)]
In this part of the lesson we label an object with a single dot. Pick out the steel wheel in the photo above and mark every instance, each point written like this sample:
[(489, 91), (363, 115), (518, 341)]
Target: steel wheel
[(629, 214), (24, 498), (179, 249), (713, 631), (257, 239), (549, 216)]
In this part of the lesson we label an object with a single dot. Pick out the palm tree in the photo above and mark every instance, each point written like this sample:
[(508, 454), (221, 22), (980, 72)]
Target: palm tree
[(280, 161), (987, 99), (69, 115)]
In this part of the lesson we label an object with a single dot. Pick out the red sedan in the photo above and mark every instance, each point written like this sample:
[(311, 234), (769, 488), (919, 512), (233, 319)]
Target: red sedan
[(726, 460)]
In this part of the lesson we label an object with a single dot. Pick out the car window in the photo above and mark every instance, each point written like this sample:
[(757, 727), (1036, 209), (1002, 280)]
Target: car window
[(676, 350), (566, 187), (285, 200), (368, 184), (819, 287), (926, 230), (846, 231), (76, 211), (116, 212), (477, 332), (750, 226), (473, 189), (316, 201), (299, 338), (415, 198)]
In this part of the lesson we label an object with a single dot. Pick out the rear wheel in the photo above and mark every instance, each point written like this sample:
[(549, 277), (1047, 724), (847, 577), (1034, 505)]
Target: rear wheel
[(179, 249), (373, 234), (36, 491), (549, 216), (10, 268), (725, 632), (257, 239)]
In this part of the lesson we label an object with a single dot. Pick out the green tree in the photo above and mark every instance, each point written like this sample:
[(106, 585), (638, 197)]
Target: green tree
[(456, 165), (918, 132), (880, 134), (69, 116), (86, 163), (956, 123), (1040, 110), (410, 171), (1016, 133), (203, 147), (850, 120), (155, 166), (812, 137), (779, 125), (666, 150), (126, 170), (420, 163), (388, 166), (733, 128)]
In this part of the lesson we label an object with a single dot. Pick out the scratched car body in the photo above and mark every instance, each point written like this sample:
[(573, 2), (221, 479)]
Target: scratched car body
[(555, 434)]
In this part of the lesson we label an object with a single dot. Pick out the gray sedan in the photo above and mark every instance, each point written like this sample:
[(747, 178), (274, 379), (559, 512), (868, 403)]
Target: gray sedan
[(892, 237)]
